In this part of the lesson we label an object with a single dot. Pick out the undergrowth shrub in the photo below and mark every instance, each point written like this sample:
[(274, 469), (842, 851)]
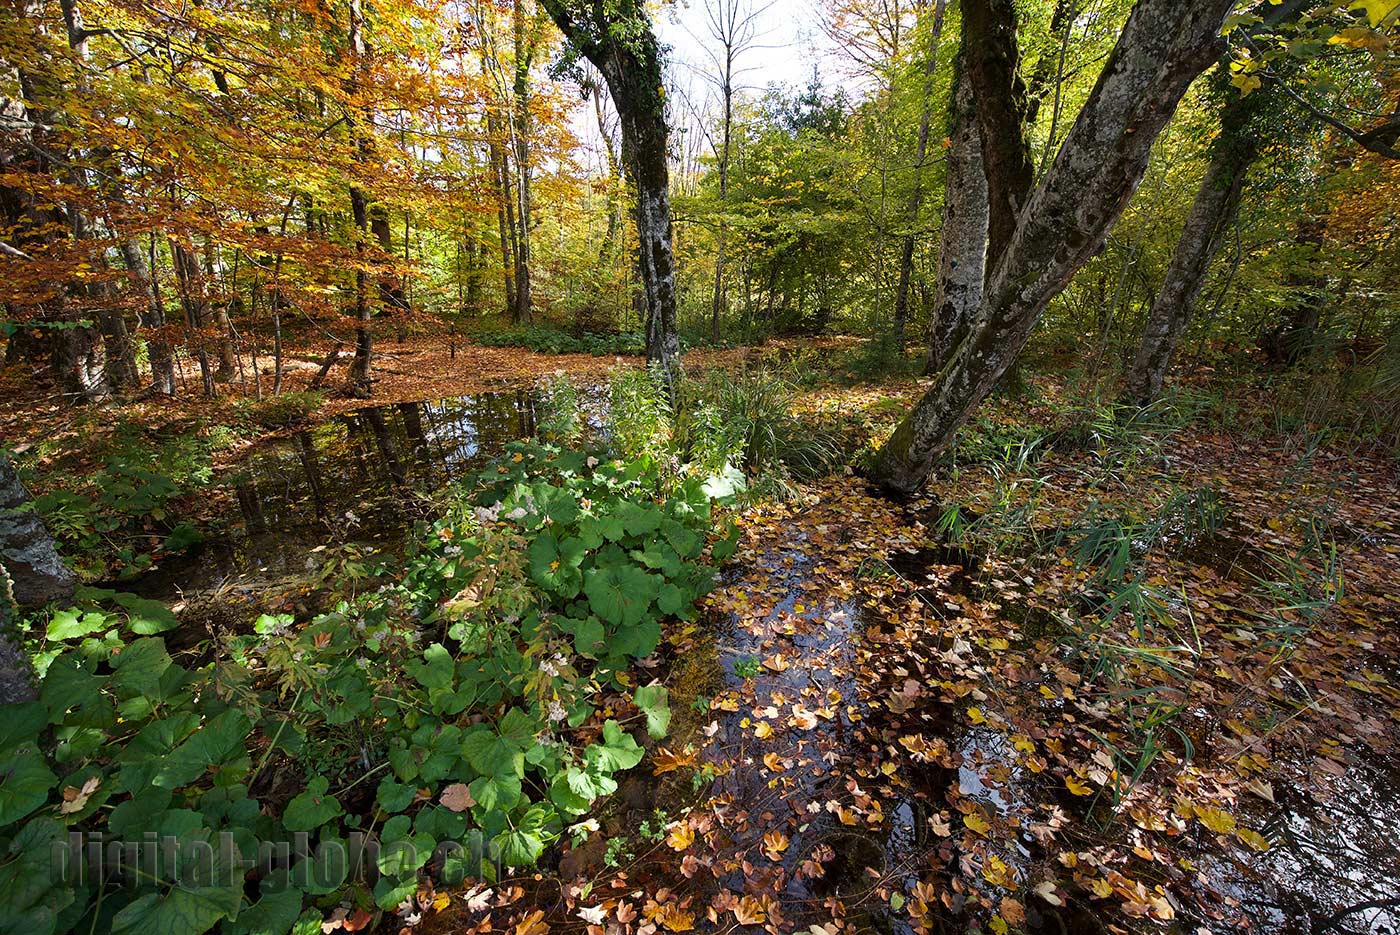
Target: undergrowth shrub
[(546, 340), (113, 522), (283, 410), (453, 721), (745, 419)]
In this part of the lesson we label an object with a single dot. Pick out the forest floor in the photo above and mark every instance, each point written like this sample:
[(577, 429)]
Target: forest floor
[(890, 734), (1106, 681), (422, 367)]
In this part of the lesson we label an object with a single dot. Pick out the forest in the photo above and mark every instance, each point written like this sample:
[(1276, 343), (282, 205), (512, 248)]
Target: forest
[(624, 467)]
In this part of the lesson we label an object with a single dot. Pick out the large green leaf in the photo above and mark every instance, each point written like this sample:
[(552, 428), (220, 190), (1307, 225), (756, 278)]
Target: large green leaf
[(616, 751), (29, 896), (496, 793), (219, 741), (436, 669), (274, 914), (620, 594), (179, 911), (147, 616), (312, 808), (25, 783), (554, 563), (492, 754), (71, 624), (139, 667), (21, 724)]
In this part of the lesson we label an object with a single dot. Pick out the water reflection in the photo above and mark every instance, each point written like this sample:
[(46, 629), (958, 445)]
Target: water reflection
[(357, 477), (356, 472)]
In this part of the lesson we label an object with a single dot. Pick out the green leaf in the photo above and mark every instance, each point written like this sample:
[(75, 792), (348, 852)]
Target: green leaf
[(588, 634), (655, 701), (618, 751), (71, 624), (491, 754), (25, 783), (29, 898), (147, 616), (21, 724), (726, 484), (638, 519), (313, 808), (219, 741), (274, 914), (436, 670), (180, 911), (496, 793), (672, 600), (519, 729), (620, 595), (394, 796), (555, 564), (139, 667)]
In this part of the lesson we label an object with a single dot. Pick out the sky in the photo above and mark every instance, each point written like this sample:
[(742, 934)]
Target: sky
[(788, 42)]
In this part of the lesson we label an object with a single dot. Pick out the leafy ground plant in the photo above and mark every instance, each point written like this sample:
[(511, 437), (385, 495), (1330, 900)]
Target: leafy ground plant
[(449, 724)]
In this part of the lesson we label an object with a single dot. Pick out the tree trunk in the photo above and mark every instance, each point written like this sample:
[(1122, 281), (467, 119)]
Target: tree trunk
[(1164, 45), (992, 59), (151, 316), (520, 138), (962, 251), (360, 381), (196, 307), (1213, 211), (629, 58), (26, 550), (916, 197)]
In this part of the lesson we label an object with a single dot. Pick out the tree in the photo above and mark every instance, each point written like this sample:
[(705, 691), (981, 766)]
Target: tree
[(962, 250), (1213, 212), (1162, 47), (616, 36)]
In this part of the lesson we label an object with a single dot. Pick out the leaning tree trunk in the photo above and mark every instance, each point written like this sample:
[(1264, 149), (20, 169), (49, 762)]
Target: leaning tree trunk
[(962, 251), (1214, 210), (1164, 45)]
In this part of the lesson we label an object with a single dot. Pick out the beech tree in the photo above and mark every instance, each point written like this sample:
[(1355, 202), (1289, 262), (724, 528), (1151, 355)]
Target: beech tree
[(616, 36), (1037, 245)]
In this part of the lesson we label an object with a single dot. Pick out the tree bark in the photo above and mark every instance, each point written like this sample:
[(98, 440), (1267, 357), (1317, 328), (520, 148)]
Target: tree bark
[(628, 56), (1163, 46), (962, 251), (26, 549), (151, 316), (1212, 213), (360, 381), (520, 138), (992, 60)]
